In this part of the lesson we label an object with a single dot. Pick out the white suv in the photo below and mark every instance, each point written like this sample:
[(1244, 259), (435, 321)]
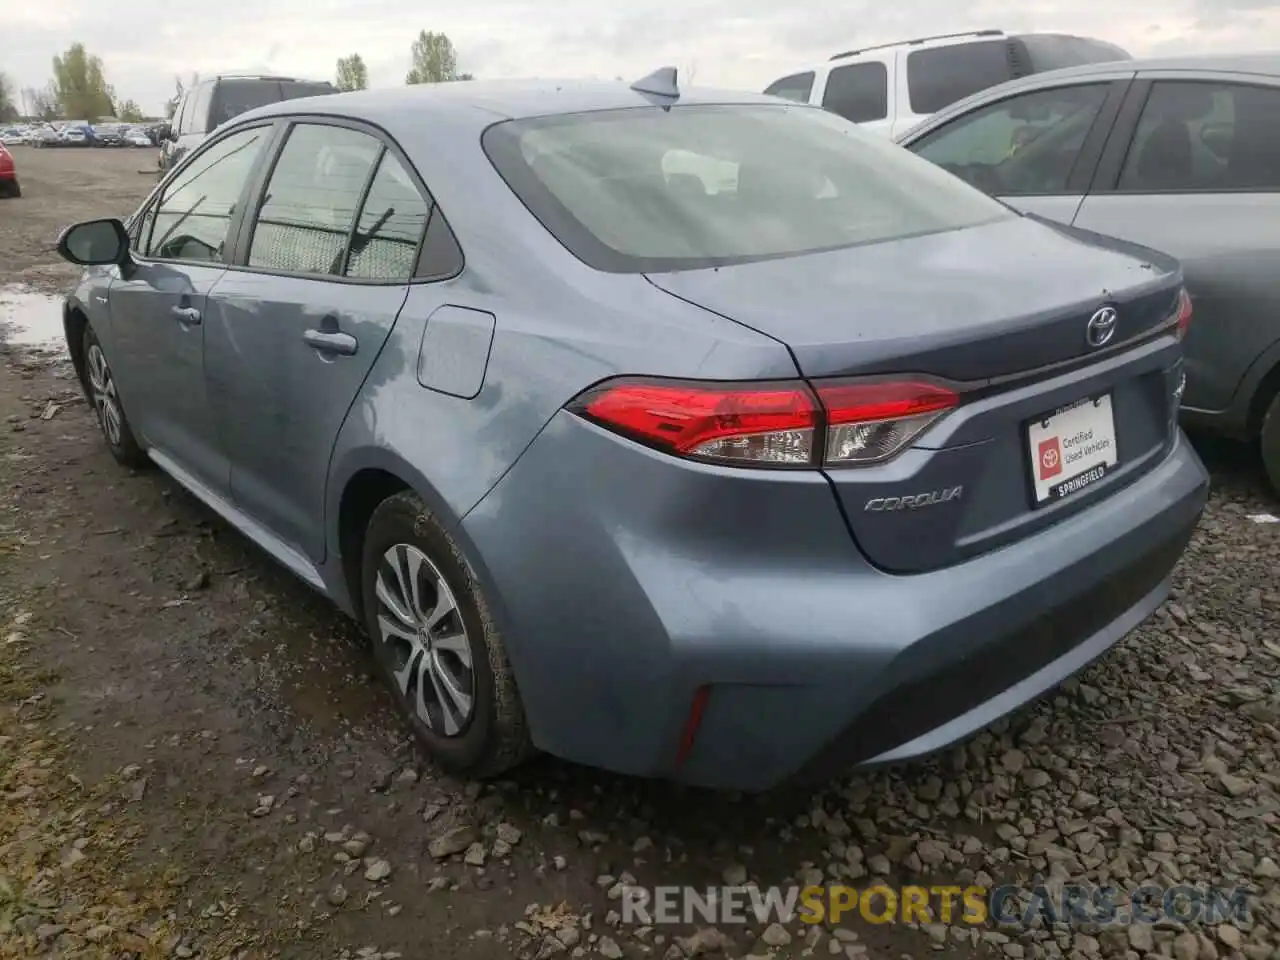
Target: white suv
[(892, 87)]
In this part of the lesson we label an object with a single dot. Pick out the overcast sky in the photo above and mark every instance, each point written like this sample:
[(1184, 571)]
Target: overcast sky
[(731, 43)]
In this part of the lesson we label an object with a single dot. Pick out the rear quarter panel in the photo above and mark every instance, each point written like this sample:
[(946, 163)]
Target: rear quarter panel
[(559, 327)]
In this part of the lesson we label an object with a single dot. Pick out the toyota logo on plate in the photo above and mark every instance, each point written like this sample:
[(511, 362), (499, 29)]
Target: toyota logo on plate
[(1101, 327)]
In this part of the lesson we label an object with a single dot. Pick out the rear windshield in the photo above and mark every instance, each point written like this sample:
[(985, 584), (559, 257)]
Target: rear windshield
[(1055, 52), (233, 97), (649, 190)]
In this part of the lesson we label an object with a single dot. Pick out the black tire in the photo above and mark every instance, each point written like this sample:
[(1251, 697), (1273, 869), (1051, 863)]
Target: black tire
[(494, 737), (1269, 443), (123, 447)]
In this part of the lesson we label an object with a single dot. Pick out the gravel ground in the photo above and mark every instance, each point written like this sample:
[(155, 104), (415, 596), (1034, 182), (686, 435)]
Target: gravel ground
[(196, 762)]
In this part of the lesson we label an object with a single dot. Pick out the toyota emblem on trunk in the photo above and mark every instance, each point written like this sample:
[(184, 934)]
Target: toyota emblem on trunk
[(1101, 327)]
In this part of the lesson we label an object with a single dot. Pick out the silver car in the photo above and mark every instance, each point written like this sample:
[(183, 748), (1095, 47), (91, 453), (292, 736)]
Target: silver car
[(1178, 154)]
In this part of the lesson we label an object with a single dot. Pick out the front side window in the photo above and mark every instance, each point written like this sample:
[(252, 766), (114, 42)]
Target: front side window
[(940, 76), (796, 87), (1021, 146), (858, 92), (310, 203), (385, 244), (1203, 136), (648, 189), (194, 214)]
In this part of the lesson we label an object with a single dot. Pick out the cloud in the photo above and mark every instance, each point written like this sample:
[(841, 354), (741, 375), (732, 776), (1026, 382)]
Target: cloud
[(732, 43)]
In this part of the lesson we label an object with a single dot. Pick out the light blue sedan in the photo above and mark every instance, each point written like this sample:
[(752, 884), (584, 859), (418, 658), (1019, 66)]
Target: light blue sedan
[(689, 434)]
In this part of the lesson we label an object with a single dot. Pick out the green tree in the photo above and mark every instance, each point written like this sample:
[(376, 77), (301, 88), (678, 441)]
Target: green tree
[(434, 60), (80, 85), (130, 112), (352, 73), (8, 109)]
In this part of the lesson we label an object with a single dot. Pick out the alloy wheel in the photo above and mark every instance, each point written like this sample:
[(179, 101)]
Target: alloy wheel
[(424, 640), (105, 400)]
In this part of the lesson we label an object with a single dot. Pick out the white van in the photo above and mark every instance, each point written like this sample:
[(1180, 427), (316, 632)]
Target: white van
[(891, 87)]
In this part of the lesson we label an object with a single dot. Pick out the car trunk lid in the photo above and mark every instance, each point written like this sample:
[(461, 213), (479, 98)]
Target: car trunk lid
[(1004, 314)]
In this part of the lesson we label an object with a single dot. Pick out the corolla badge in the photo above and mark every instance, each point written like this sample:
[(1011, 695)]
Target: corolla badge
[(930, 498), (1101, 327)]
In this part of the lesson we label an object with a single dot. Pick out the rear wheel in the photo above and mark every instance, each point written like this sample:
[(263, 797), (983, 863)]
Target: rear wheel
[(435, 643), (106, 404), (1269, 442)]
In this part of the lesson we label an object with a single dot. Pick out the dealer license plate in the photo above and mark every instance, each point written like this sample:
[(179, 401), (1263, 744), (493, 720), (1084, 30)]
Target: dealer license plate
[(1072, 448)]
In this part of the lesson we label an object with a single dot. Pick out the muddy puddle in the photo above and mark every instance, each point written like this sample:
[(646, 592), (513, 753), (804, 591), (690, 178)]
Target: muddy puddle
[(31, 319)]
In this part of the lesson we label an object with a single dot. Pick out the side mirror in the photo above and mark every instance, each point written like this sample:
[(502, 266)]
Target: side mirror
[(171, 134), (94, 243)]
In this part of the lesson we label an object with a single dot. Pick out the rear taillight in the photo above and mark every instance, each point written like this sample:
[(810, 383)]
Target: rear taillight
[(869, 422), (1182, 320), (775, 424)]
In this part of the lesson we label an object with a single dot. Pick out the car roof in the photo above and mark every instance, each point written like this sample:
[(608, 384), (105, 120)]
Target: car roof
[(487, 101), (1258, 63)]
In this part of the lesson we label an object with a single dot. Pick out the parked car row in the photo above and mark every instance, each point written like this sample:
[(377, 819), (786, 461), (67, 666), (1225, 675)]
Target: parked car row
[(80, 133)]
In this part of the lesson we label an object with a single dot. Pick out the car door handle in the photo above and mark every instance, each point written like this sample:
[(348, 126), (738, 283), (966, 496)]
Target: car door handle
[(188, 315), (337, 342)]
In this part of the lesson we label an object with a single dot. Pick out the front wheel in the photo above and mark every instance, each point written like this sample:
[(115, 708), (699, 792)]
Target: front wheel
[(436, 644), (102, 391), (1269, 442)]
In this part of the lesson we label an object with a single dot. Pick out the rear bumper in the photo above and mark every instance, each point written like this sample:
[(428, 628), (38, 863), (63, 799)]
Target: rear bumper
[(624, 585)]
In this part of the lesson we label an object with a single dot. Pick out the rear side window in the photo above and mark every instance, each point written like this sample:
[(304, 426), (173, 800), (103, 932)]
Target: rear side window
[(311, 201), (385, 244), (1204, 136), (939, 76), (858, 92), (645, 189), (796, 87)]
